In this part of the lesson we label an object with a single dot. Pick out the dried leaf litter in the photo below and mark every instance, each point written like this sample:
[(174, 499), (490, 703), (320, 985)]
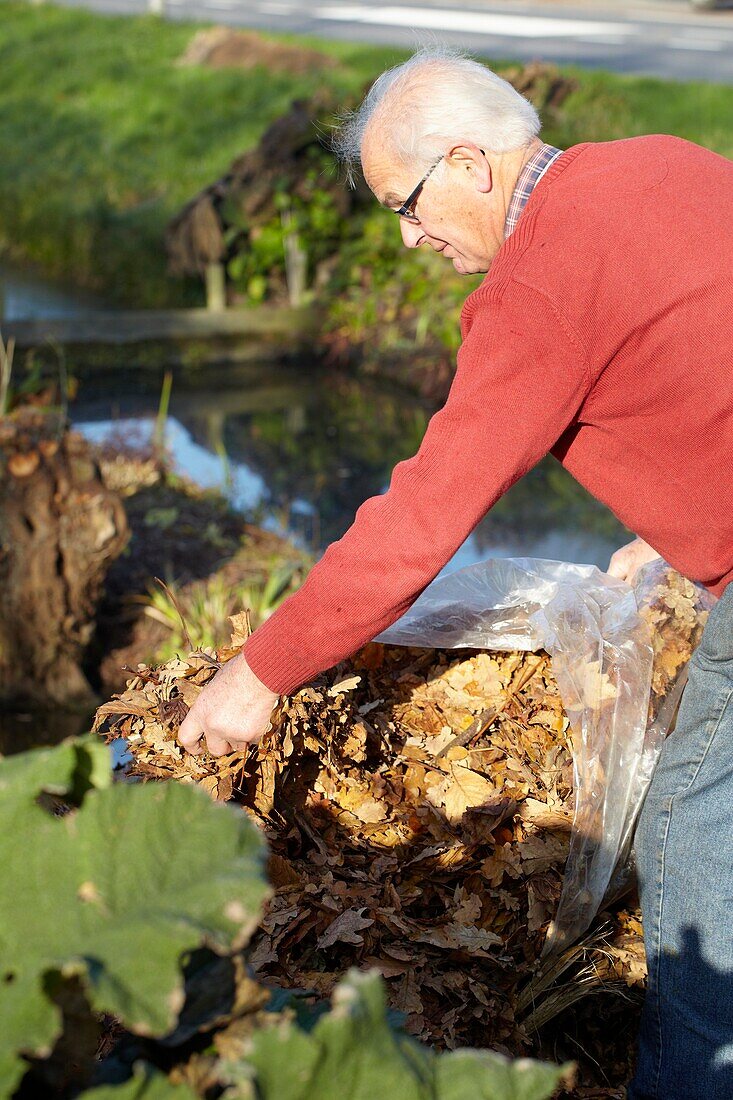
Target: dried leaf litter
[(418, 805)]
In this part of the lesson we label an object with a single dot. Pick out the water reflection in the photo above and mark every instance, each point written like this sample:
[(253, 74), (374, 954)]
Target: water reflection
[(21, 730), (28, 296), (34, 729), (300, 450)]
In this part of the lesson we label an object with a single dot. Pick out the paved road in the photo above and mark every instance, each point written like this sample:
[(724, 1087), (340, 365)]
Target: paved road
[(659, 37)]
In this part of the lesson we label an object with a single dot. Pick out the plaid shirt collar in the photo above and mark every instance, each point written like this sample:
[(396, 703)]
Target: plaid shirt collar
[(529, 177)]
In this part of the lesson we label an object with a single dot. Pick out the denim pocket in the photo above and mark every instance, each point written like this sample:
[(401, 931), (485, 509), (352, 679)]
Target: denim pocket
[(716, 643)]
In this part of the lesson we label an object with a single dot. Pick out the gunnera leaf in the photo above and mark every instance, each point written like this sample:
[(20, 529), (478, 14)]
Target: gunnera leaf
[(145, 1084), (486, 1075), (352, 1053), (116, 891), (28, 1019)]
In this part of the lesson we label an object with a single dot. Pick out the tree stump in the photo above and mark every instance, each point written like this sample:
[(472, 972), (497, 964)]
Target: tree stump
[(60, 529)]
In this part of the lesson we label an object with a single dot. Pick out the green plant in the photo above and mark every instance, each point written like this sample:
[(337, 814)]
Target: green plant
[(145, 1084), (161, 418), (199, 614), (112, 886), (195, 619), (352, 1053), (266, 595), (6, 370)]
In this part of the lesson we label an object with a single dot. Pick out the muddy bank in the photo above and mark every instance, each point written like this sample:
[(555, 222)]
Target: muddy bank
[(108, 560), (208, 556)]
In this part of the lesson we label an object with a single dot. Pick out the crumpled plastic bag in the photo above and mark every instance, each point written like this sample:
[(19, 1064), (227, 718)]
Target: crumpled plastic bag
[(602, 658)]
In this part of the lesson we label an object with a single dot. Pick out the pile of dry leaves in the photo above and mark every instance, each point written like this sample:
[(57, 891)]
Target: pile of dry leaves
[(418, 805)]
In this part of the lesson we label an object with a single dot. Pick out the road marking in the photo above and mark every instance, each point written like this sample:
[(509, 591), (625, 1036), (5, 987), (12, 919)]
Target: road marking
[(477, 22), (695, 44), (604, 40)]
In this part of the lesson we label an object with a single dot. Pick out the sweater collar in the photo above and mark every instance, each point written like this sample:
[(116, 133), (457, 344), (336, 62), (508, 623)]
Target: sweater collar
[(529, 177)]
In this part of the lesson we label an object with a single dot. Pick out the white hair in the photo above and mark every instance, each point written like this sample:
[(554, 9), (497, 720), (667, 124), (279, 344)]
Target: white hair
[(437, 94)]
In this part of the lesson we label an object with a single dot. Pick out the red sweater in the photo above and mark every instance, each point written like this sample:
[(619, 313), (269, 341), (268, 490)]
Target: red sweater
[(602, 333)]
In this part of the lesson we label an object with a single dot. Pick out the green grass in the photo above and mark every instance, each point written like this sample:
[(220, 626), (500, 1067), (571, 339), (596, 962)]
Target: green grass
[(104, 137), (606, 107)]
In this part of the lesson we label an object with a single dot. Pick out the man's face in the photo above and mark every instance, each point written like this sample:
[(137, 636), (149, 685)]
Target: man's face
[(454, 205)]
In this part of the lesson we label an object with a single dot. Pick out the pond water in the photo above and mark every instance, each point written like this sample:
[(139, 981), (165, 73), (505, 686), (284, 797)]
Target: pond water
[(25, 296), (300, 450)]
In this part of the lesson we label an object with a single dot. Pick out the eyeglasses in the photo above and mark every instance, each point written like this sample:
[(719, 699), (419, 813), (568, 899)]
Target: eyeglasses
[(406, 211)]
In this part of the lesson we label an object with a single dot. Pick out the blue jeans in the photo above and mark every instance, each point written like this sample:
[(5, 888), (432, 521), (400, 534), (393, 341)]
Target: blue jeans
[(684, 855)]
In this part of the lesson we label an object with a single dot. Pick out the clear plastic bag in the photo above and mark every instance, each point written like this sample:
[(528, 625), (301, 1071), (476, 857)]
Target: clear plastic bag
[(600, 633)]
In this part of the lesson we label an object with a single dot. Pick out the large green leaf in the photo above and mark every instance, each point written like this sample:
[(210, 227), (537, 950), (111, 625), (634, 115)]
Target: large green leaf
[(67, 771), (486, 1075), (347, 1052), (146, 1084), (116, 891), (353, 1054)]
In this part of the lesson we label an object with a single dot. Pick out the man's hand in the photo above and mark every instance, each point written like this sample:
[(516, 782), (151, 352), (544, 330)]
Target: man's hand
[(232, 710), (626, 561)]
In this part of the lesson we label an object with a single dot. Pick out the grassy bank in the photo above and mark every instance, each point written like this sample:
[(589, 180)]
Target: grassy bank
[(104, 136)]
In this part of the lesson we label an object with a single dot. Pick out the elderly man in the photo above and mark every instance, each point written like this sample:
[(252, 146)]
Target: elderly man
[(602, 334)]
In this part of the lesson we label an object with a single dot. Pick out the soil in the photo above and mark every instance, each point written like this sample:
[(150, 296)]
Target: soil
[(180, 534), (60, 528), (222, 47), (84, 533)]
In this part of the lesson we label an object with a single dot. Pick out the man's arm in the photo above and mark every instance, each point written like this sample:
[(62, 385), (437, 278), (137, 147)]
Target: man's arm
[(520, 380)]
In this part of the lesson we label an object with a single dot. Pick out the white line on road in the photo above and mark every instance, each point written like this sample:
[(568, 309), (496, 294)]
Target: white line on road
[(696, 44), (604, 40), (492, 23), (272, 7)]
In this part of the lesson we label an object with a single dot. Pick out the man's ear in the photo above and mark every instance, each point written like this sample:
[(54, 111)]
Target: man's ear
[(470, 158)]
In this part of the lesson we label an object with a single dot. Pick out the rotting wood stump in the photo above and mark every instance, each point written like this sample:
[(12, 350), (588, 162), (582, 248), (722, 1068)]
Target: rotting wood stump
[(60, 529)]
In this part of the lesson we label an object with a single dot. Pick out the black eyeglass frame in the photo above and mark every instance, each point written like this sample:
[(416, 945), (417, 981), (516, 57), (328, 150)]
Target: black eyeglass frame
[(405, 210)]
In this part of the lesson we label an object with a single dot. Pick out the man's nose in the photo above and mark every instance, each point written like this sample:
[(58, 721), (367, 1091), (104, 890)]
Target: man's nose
[(412, 234)]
